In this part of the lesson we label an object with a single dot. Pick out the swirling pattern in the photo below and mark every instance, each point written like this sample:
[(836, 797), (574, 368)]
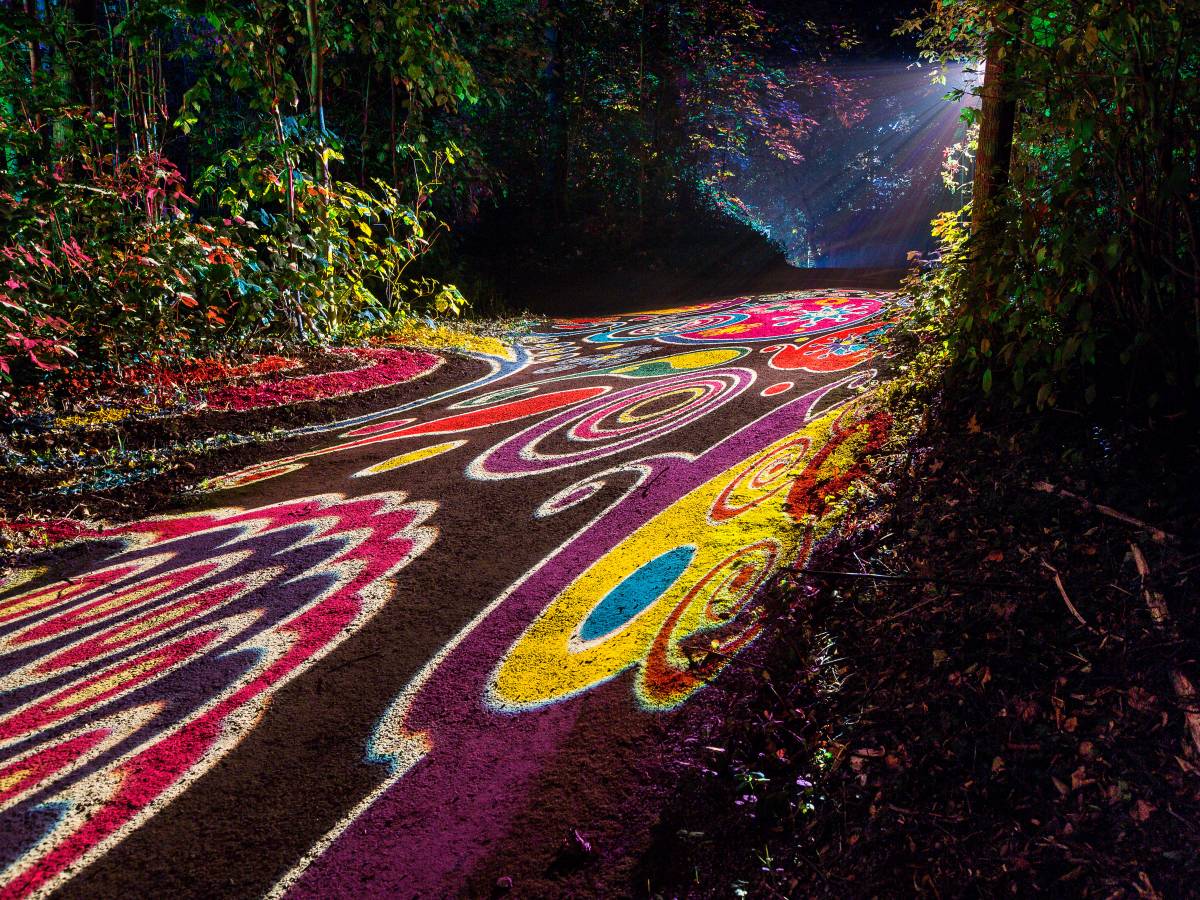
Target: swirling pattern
[(661, 590), (122, 687), (834, 352), (615, 423), (784, 317), (636, 481), (650, 594)]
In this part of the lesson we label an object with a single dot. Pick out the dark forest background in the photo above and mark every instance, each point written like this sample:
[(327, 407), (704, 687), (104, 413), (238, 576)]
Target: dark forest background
[(180, 176), (187, 177)]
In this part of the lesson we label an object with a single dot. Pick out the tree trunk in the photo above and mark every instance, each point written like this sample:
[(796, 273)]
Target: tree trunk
[(316, 85), (997, 120), (667, 139), (35, 66), (83, 58), (557, 150), (392, 136)]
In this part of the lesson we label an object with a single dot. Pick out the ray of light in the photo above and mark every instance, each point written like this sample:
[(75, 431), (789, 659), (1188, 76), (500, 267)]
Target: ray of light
[(865, 186)]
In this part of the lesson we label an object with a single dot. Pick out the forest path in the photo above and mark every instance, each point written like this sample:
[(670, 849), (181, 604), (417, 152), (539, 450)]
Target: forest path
[(412, 660)]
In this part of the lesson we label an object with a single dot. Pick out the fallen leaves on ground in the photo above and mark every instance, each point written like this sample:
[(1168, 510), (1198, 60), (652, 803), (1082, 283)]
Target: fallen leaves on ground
[(1008, 732)]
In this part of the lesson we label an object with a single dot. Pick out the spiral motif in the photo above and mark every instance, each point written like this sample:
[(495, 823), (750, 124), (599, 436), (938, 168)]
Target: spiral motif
[(611, 424), (761, 480), (713, 623)]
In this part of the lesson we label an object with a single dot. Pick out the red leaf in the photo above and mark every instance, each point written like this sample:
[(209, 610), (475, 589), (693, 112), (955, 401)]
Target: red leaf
[(49, 367)]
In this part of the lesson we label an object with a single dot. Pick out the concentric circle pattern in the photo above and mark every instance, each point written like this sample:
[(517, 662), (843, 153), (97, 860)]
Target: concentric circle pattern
[(781, 318), (611, 424)]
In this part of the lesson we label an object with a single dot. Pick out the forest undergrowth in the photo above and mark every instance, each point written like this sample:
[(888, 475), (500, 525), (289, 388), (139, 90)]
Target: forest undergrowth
[(988, 691)]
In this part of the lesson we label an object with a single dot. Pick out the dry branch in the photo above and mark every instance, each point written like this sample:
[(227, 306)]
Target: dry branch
[(1185, 691), (1155, 532), (1058, 582)]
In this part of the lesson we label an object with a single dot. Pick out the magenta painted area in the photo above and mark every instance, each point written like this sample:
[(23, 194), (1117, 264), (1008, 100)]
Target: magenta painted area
[(381, 368), (159, 659), (46, 533), (787, 318), (777, 318), (220, 651), (442, 811)]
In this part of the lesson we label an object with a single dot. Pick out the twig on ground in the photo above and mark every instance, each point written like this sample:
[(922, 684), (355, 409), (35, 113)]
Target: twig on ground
[(1189, 700), (905, 612), (920, 579), (1155, 532), (1154, 599), (1185, 691), (1058, 582)]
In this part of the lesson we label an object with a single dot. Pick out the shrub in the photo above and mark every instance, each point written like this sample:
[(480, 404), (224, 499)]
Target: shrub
[(1081, 284)]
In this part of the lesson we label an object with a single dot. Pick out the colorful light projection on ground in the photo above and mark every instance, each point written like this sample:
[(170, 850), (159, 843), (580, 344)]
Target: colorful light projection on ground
[(377, 368), (123, 686), (665, 583), (788, 318), (127, 683), (663, 586), (679, 612)]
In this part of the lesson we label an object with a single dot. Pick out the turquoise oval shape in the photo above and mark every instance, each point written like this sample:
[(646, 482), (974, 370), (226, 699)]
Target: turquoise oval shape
[(635, 592)]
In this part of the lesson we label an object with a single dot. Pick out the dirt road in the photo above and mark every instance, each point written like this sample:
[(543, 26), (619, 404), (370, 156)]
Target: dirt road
[(416, 658)]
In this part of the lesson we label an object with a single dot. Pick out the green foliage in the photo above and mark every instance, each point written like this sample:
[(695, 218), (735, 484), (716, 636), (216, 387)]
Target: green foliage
[(113, 264), (108, 261), (329, 144), (1081, 282), (327, 252)]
